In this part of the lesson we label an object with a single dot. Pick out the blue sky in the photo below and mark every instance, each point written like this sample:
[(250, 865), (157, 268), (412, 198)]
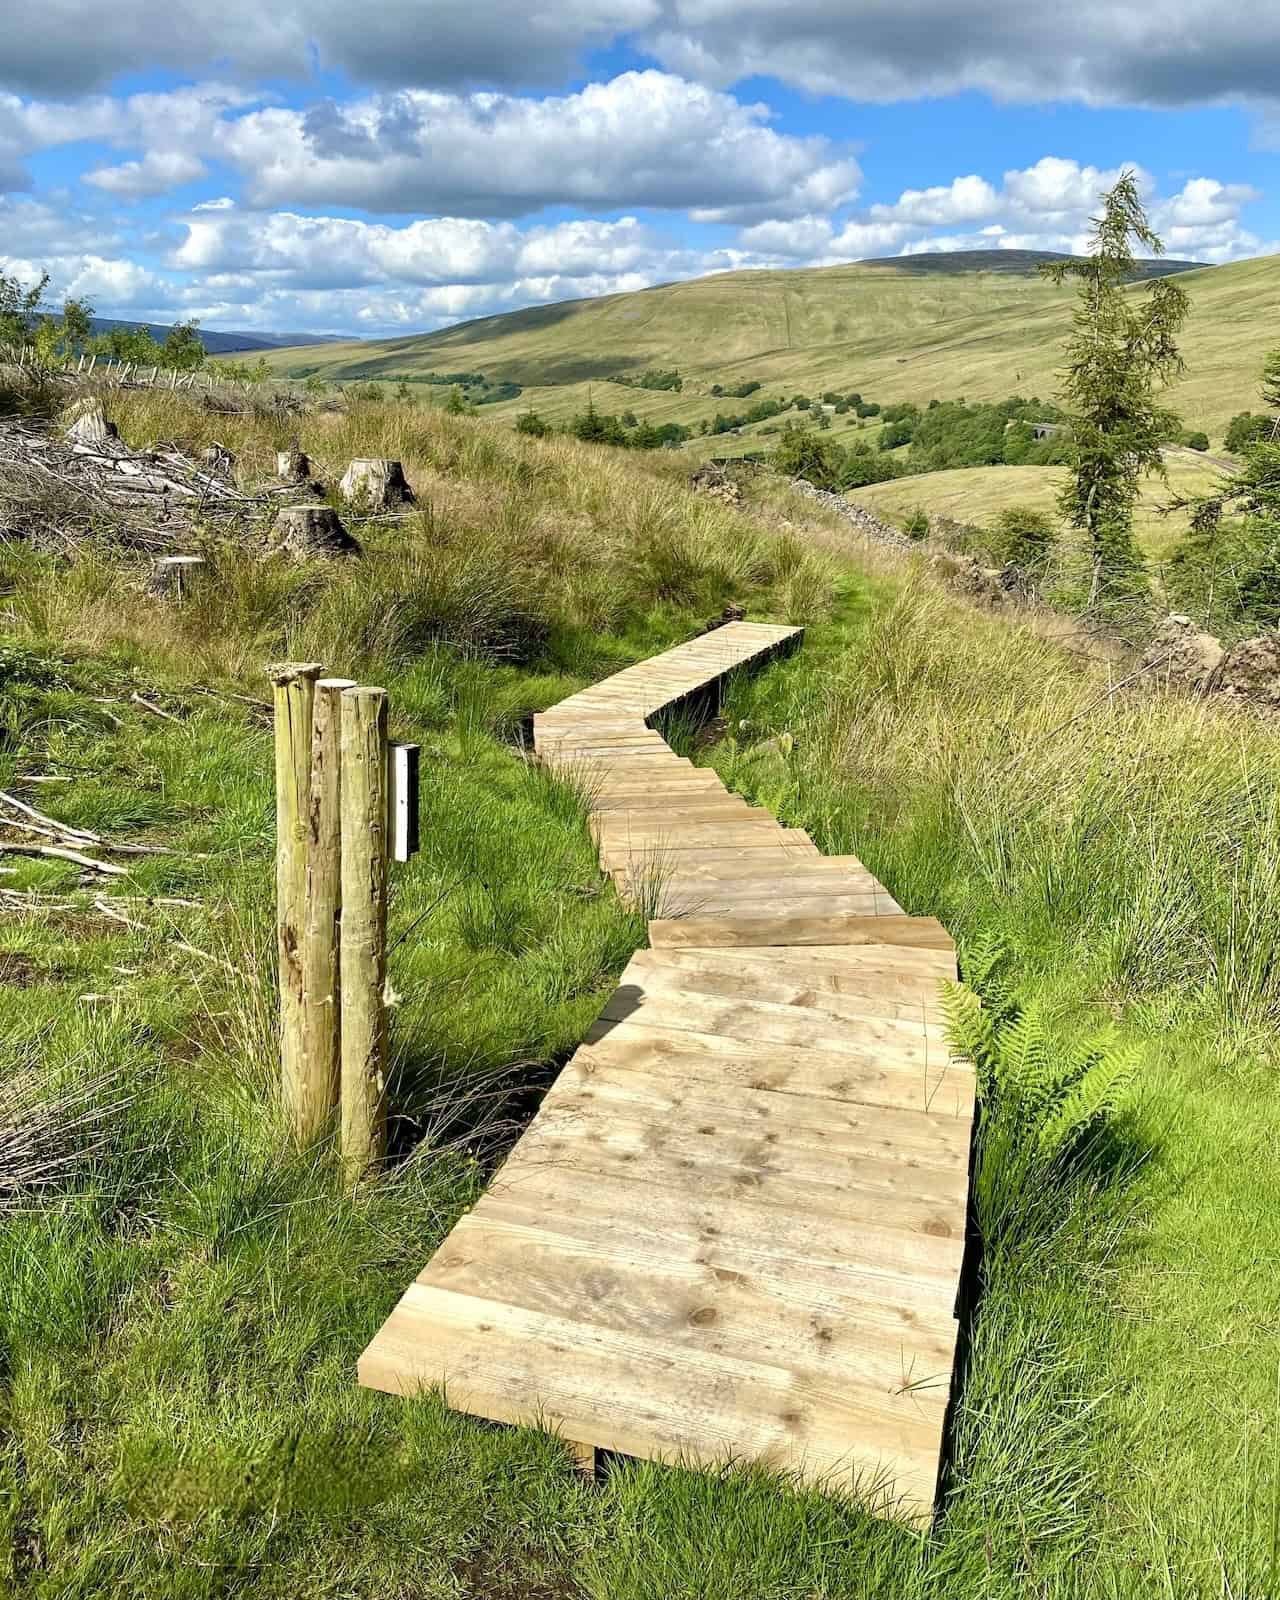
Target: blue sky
[(324, 166)]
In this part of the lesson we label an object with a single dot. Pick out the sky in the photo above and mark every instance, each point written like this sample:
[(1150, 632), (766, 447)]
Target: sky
[(331, 166)]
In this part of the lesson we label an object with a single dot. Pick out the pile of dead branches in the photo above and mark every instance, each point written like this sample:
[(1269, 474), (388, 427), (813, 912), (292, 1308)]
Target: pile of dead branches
[(56, 491)]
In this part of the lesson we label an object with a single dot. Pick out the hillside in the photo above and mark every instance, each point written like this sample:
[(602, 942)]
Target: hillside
[(892, 329), (978, 494)]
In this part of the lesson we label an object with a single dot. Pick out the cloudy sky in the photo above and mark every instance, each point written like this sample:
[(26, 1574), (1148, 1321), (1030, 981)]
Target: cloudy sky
[(334, 165)]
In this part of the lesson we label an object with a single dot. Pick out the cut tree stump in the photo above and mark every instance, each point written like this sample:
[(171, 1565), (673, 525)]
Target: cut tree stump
[(312, 531), (375, 483), (171, 576), (86, 423)]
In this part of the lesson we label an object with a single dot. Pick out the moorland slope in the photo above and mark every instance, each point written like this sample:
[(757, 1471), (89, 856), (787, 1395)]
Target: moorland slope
[(895, 331)]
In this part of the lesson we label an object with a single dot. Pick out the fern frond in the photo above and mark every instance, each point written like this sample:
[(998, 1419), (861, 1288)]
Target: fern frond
[(1094, 1098), (969, 1030), (1022, 1058)]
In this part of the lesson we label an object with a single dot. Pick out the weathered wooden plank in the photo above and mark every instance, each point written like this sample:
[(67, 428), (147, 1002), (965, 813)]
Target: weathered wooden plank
[(840, 1131), (868, 1080), (894, 986), (732, 931), (776, 1024), (627, 1392), (796, 1251), (529, 1257), (709, 972)]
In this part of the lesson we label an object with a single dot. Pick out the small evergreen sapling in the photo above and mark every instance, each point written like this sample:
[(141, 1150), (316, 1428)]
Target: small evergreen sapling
[(1123, 349)]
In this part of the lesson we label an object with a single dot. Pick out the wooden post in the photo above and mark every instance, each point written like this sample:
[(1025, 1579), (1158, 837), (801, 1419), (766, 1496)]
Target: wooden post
[(321, 1002), (363, 953), (294, 684)]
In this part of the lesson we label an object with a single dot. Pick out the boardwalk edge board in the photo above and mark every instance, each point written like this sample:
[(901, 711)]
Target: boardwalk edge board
[(735, 1228)]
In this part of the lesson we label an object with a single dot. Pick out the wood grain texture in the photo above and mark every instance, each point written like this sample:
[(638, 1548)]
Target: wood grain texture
[(293, 685), (736, 1225), (363, 945)]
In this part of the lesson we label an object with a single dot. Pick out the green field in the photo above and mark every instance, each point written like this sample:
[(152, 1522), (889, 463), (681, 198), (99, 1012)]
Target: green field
[(978, 494), (892, 332), (183, 1296)]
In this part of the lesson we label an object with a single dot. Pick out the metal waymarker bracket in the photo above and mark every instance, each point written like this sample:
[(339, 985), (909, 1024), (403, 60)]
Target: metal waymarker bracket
[(403, 801)]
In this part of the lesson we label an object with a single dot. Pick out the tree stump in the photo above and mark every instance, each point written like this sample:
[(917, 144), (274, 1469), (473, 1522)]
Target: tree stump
[(171, 576), (293, 466), (312, 531), (85, 422), (375, 483)]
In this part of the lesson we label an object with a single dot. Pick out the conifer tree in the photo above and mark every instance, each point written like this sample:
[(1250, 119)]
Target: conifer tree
[(1122, 351)]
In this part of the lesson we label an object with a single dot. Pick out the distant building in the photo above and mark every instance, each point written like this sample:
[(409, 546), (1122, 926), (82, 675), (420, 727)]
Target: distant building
[(1045, 430)]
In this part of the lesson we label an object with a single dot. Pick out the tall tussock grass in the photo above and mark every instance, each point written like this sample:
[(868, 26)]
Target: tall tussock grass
[(1129, 836), (513, 541)]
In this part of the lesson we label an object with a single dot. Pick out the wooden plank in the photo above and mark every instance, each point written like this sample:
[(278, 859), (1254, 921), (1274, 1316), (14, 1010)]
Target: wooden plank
[(884, 1194), (866, 1080), (730, 932), (552, 1263), (776, 964), (709, 972), (800, 1253), (748, 875), (840, 1131), (625, 1392), (772, 1024), (703, 903)]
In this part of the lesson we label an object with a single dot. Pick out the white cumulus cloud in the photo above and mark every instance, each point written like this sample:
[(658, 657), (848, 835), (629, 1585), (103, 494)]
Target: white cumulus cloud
[(640, 139)]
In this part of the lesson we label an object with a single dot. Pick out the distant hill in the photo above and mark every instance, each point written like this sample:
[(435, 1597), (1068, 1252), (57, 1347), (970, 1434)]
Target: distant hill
[(974, 324), (1024, 262), (215, 342)]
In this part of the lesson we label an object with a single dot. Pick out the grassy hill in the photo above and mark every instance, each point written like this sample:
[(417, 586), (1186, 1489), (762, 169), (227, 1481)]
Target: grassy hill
[(896, 330)]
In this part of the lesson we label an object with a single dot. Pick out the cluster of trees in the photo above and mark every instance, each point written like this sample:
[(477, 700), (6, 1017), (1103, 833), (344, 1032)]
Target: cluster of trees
[(852, 401), (469, 388), (655, 378), (1246, 428), (600, 427), (58, 338), (724, 422), (738, 392), (951, 433), (826, 463)]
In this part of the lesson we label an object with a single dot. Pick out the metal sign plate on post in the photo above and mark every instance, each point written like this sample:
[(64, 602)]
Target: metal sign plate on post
[(404, 801)]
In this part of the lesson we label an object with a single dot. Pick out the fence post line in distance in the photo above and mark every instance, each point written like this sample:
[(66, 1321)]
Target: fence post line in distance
[(321, 1002), (363, 951), (294, 695)]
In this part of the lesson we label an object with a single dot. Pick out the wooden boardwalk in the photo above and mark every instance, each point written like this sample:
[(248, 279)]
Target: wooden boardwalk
[(735, 1227)]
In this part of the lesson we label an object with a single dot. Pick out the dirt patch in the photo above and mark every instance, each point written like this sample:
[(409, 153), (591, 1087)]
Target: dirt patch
[(20, 972)]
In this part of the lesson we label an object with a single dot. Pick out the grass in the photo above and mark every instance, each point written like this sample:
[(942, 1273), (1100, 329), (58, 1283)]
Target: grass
[(182, 1302), (893, 334)]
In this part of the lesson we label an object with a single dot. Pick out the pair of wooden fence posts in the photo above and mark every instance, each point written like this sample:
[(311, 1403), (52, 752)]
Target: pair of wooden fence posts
[(346, 802)]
